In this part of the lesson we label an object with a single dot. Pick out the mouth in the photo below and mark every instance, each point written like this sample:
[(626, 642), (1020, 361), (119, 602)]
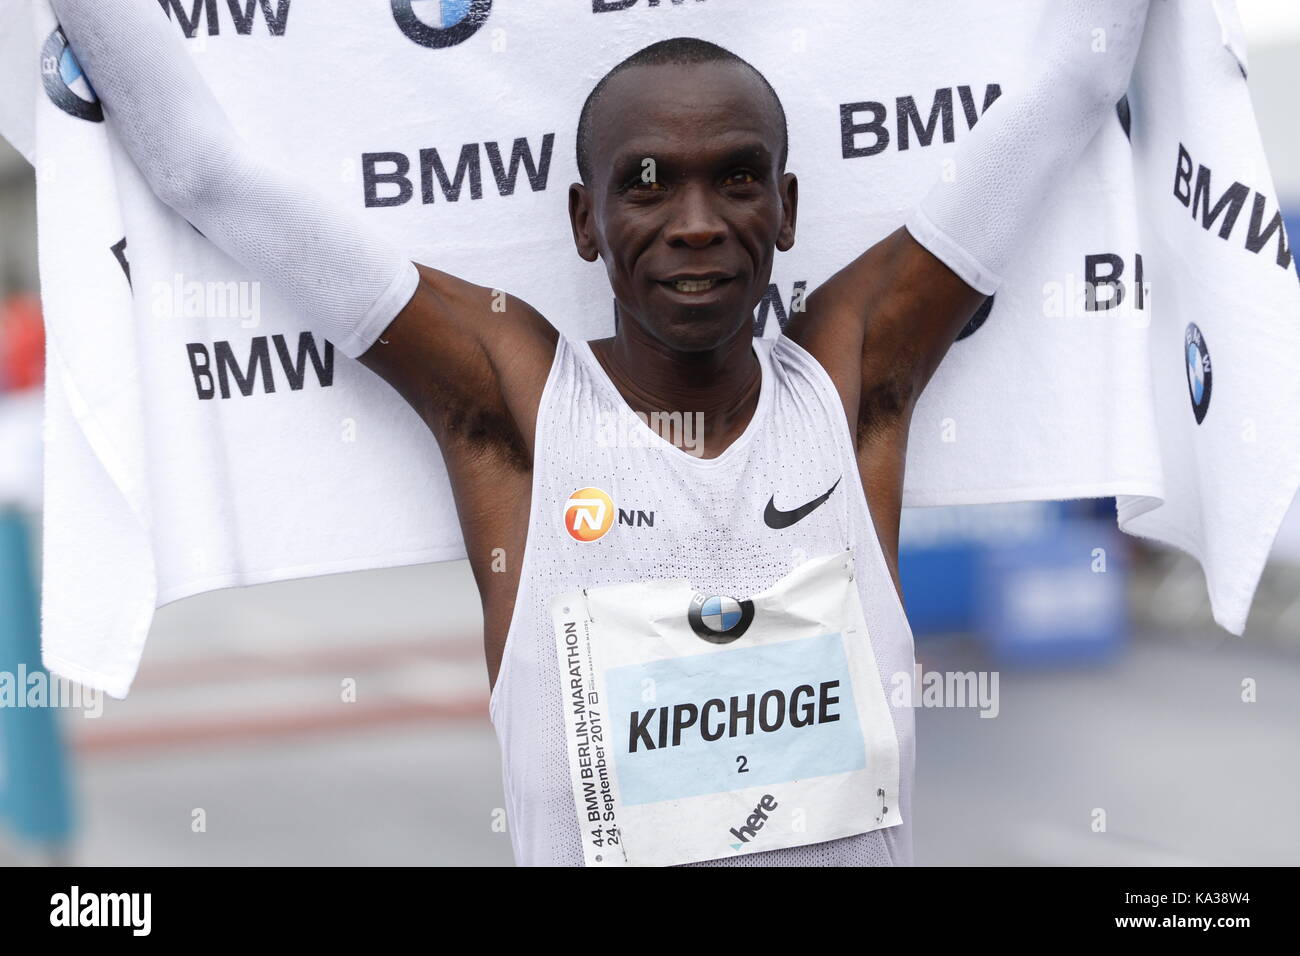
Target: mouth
[(695, 285)]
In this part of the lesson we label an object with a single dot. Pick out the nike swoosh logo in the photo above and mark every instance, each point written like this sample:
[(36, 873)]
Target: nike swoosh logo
[(774, 517)]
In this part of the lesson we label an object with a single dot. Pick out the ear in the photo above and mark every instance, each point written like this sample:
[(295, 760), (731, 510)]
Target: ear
[(582, 221), (789, 210)]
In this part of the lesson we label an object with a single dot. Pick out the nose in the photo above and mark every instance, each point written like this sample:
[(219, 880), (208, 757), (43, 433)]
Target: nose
[(693, 220)]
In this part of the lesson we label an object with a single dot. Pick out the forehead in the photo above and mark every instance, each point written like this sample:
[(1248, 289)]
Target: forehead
[(682, 111)]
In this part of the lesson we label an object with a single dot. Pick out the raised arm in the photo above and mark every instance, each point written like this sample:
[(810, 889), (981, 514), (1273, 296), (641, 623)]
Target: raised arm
[(901, 304), (439, 333)]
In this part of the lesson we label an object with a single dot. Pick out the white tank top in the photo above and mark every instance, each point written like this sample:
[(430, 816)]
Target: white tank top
[(680, 516)]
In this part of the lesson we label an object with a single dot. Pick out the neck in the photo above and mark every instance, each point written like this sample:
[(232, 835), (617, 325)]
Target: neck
[(720, 386)]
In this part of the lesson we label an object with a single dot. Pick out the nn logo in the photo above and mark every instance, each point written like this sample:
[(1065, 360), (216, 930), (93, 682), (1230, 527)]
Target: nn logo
[(749, 829), (590, 513)]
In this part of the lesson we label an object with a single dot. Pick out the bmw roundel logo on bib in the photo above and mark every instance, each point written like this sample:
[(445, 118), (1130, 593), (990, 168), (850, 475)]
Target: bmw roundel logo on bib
[(440, 23), (1200, 376), (719, 619)]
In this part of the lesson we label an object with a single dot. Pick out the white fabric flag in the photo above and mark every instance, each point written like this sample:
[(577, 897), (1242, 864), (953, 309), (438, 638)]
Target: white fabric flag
[(199, 436), (1225, 293)]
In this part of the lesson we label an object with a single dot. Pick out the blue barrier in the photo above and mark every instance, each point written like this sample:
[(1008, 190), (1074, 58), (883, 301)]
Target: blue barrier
[(1019, 577), (34, 797), (940, 551), (1060, 599)]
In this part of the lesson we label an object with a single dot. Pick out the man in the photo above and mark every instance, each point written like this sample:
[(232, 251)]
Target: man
[(792, 504)]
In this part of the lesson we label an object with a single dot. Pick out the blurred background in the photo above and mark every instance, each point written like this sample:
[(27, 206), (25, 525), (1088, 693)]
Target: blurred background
[(1116, 733)]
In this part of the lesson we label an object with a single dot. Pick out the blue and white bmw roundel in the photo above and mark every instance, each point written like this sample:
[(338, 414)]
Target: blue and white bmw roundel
[(720, 613), (1200, 374), (719, 619)]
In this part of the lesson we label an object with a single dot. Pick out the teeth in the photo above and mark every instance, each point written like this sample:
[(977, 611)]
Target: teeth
[(693, 285)]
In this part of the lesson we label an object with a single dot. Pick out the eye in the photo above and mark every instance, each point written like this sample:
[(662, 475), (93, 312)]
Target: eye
[(740, 177), (637, 182)]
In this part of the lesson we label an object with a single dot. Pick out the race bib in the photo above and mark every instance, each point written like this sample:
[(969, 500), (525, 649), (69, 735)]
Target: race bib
[(702, 726)]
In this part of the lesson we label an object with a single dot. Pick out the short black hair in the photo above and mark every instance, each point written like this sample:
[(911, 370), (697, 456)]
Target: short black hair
[(678, 51)]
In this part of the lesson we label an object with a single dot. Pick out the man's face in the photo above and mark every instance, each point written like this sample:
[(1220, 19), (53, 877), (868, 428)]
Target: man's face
[(686, 203)]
